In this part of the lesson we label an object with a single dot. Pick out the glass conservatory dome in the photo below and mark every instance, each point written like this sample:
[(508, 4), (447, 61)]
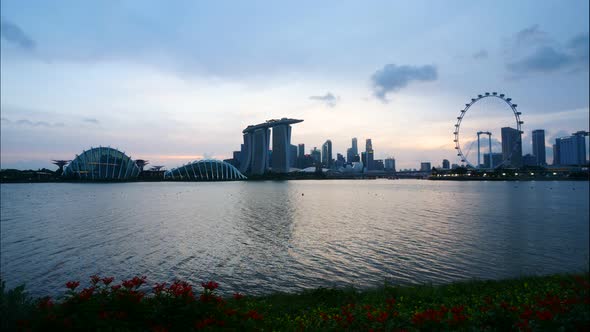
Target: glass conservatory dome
[(205, 170), (102, 164)]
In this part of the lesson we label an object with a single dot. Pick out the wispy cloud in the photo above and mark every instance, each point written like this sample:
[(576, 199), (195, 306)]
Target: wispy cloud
[(329, 99), (14, 34), (392, 78), (481, 54), (91, 120), (30, 123)]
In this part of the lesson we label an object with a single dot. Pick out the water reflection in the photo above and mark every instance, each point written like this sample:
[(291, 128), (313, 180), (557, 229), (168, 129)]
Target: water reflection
[(259, 237)]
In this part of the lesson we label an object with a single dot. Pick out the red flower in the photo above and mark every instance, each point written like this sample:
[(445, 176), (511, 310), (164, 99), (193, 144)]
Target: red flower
[(94, 279), (72, 284), (115, 287), (254, 315), (108, 280), (544, 315), (210, 285), (382, 317), (158, 288), (204, 323), (86, 293), (390, 302), (128, 284), (238, 296)]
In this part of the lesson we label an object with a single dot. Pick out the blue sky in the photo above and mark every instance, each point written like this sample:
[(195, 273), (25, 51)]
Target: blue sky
[(176, 81)]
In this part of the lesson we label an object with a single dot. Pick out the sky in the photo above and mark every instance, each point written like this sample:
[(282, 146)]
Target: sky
[(176, 81)]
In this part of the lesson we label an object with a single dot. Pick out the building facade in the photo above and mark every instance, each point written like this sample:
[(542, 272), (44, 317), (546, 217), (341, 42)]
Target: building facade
[(571, 150), (539, 147), (327, 154), (102, 164), (511, 147), (446, 164)]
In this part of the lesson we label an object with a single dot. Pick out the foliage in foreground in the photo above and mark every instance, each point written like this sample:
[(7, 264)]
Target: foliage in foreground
[(534, 303)]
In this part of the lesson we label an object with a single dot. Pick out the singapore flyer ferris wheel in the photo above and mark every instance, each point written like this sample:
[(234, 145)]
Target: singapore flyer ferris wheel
[(510, 149)]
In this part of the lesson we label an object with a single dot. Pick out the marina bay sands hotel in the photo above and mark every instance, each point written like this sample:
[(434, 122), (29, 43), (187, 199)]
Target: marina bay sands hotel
[(254, 153)]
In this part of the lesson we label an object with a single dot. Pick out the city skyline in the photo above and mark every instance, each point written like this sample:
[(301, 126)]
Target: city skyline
[(152, 82)]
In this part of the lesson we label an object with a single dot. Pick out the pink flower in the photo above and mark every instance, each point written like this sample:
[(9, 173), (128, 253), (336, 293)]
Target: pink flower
[(210, 285)]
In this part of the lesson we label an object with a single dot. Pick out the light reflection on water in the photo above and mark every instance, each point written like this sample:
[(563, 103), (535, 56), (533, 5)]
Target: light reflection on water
[(259, 237)]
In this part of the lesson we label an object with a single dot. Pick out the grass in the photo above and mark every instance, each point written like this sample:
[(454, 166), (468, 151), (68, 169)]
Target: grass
[(556, 302)]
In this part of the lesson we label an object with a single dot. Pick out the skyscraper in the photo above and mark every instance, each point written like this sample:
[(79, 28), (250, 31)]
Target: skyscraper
[(511, 147), (316, 155), (446, 164), (281, 148), (390, 164), (355, 149), (556, 152), (300, 155), (370, 154), (539, 147), (293, 156), (327, 154), (572, 149)]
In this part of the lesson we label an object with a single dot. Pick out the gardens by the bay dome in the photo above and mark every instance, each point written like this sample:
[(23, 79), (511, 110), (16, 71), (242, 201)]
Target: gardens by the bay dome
[(205, 170), (102, 164)]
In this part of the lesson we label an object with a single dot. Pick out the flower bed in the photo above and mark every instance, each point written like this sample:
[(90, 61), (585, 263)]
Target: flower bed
[(532, 303)]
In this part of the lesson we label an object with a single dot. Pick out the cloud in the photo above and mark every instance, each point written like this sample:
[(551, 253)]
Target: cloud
[(532, 51), (329, 99), (91, 120), (481, 54), (29, 123), (392, 78), (14, 34)]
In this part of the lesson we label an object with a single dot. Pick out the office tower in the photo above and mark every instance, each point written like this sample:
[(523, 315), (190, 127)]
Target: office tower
[(389, 164), (370, 154), (511, 147), (340, 161), (316, 156), (556, 152), (293, 156), (539, 147), (425, 167), (446, 164), (301, 155), (327, 154), (572, 149), (378, 165), (355, 149)]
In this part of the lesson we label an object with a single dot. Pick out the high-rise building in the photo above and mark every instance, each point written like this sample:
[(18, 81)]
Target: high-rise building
[(511, 147), (446, 164), (293, 156), (281, 147), (425, 167), (327, 154), (364, 159), (556, 153), (370, 154), (355, 149), (301, 155), (539, 147), (496, 160), (316, 156), (389, 164), (340, 161), (572, 149)]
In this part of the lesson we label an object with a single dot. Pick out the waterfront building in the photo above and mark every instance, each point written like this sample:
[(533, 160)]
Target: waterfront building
[(389, 164), (571, 150), (496, 159), (353, 152), (446, 164), (102, 164), (425, 167), (300, 155), (364, 159), (255, 151), (327, 154), (511, 147), (539, 147), (556, 153), (205, 170)]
